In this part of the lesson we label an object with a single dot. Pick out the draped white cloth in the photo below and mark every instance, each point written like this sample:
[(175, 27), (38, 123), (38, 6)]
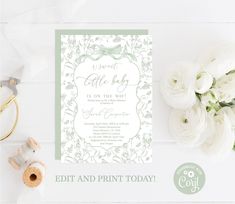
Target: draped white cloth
[(10, 61), (27, 42)]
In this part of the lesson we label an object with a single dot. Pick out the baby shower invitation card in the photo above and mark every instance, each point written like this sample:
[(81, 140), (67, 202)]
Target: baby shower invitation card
[(104, 96), (107, 102)]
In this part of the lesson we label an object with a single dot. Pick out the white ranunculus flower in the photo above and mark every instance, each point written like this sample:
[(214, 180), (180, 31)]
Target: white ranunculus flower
[(177, 86), (188, 125), (220, 139), (225, 87), (203, 82), (220, 61)]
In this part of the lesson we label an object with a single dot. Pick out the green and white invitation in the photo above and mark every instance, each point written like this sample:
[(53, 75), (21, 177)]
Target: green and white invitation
[(103, 96)]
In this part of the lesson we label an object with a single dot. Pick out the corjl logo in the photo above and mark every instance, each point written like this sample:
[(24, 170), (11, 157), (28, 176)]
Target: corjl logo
[(189, 178)]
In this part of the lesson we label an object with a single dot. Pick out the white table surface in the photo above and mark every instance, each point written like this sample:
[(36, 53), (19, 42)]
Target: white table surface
[(181, 30)]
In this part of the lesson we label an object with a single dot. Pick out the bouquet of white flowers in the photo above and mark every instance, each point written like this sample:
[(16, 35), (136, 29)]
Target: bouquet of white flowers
[(203, 100)]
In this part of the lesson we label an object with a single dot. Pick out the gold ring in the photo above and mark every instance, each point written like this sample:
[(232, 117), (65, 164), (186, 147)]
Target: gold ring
[(9, 101)]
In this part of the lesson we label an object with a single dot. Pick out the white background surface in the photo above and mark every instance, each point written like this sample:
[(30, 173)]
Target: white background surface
[(181, 29)]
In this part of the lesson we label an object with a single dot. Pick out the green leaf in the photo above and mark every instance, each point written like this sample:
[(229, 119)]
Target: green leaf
[(212, 95), (231, 72), (213, 106), (224, 104), (214, 82), (199, 96)]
